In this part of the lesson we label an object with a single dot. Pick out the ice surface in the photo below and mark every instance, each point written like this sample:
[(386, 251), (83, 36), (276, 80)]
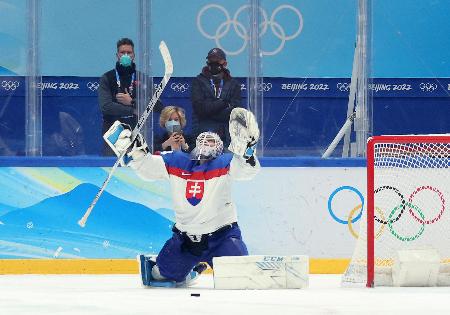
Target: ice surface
[(122, 294)]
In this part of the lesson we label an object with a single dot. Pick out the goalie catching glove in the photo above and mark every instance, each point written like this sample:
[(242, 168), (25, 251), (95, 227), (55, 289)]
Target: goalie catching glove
[(244, 134), (119, 138)]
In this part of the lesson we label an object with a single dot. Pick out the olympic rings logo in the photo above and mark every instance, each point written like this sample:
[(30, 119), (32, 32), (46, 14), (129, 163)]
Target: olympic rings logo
[(361, 206), (179, 87), (403, 204), (343, 87), (394, 214), (10, 85), (266, 87), (241, 31), (428, 87), (351, 217), (93, 86)]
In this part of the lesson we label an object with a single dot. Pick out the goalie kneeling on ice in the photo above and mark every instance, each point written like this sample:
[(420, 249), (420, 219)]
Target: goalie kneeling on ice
[(416, 268), (261, 272)]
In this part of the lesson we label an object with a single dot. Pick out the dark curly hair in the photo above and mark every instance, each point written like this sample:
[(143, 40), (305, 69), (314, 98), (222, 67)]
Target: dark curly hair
[(124, 41)]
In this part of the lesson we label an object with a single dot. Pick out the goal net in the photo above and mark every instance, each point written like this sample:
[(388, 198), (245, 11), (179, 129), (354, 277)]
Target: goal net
[(408, 187)]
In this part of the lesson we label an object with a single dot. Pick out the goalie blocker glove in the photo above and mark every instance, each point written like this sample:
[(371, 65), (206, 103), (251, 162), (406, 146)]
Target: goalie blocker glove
[(118, 137)]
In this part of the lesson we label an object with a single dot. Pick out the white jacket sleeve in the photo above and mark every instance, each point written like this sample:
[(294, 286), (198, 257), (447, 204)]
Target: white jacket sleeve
[(241, 170), (150, 167)]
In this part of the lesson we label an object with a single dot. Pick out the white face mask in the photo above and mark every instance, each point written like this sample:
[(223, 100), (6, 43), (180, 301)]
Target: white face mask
[(204, 149), (172, 126)]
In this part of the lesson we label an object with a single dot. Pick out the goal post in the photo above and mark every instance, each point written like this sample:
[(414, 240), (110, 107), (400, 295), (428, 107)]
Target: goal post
[(408, 185)]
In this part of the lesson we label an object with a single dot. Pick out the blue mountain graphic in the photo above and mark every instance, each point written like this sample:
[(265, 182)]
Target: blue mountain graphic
[(6, 71), (5, 208), (115, 228)]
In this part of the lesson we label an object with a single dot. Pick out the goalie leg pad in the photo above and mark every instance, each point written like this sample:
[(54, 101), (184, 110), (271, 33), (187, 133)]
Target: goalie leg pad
[(261, 272)]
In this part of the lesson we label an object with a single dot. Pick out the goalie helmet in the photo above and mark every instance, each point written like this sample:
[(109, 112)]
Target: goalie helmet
[(208, 146)]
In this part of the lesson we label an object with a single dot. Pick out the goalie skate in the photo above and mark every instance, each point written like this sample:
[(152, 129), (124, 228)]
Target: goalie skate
[(193, 275), (146, 264)]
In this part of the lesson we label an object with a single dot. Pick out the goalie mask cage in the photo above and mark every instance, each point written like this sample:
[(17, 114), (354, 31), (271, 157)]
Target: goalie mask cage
[(408, 188)]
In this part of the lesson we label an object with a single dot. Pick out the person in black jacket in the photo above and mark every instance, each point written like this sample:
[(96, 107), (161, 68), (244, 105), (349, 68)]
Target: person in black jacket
[(214, 94), (117, 91)]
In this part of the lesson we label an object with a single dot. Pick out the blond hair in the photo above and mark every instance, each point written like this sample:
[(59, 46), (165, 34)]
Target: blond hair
[(168, 111)]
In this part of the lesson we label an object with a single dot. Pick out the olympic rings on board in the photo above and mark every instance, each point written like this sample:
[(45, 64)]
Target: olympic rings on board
[(10, 85), (402, 203), (394, 215), (441, 196), (179, 87), (330, 199), (406, 238), (350, 225), (93, 86)]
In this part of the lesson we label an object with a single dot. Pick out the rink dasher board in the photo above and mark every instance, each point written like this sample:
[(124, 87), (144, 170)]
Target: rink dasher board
[(261, 272)]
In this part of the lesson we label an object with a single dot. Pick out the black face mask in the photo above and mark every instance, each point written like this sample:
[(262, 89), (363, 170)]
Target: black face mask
[(125, 70), (215, 68)]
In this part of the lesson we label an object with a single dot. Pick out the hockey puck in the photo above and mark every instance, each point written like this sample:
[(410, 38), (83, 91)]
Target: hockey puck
[(195, 294)]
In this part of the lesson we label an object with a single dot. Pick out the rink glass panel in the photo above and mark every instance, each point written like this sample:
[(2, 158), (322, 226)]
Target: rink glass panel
[(13, 65), (76, 46), (303, 47)]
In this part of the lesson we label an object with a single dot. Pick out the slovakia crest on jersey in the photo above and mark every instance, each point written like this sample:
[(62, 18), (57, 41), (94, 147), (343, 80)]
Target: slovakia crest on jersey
[(194, 191)]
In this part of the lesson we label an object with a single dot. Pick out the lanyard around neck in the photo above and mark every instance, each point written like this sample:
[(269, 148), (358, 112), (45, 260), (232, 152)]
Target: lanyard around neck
[(217, 91), (130, 89)]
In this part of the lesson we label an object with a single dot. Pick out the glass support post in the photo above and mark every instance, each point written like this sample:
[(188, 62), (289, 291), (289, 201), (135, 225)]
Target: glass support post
[(255, 84), (33, 81), (363, 120), (143, 58)]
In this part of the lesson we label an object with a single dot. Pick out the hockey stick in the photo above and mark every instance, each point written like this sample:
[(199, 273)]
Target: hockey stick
[(159, 89)]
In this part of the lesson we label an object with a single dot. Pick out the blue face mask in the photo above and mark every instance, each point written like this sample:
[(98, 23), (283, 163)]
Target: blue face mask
[(172, 126), (125, 60)]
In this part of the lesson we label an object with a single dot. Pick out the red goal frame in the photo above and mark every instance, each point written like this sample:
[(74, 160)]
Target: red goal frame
[(371, 142)]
